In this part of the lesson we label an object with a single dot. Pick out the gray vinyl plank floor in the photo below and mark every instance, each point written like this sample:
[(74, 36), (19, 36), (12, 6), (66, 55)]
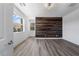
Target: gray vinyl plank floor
[(46, 47)]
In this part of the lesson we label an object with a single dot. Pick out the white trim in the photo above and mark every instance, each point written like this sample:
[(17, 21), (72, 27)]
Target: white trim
[(48, 38)]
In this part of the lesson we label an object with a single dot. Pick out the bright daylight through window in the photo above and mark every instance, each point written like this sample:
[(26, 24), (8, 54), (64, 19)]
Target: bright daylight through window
[(18, 23)]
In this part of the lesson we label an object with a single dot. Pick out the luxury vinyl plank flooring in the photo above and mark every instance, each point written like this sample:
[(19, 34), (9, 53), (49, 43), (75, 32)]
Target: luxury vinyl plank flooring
[(46, 47)]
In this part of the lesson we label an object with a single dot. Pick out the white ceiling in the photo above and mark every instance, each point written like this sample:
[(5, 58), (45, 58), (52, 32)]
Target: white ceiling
[(39, 10)]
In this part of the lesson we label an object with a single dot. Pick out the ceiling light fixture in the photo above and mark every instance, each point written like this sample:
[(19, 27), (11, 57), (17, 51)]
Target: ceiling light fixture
[(49, 5)]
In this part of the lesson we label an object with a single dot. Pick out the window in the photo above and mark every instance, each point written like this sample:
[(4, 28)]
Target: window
[(32, 26), (18, 23)]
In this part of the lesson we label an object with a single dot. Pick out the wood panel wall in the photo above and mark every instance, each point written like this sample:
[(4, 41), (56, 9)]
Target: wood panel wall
[(49, 27)]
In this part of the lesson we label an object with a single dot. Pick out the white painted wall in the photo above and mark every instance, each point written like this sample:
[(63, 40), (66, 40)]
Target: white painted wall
[(71, 27), (21, 36)]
